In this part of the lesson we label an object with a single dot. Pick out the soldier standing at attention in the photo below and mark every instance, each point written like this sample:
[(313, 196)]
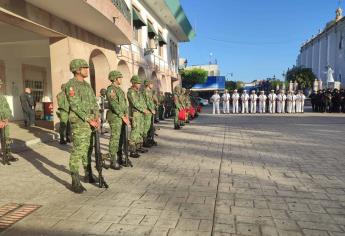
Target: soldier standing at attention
[(137, 109), (245, 99), (5, 114), (84, 116), (104, 107), (226, 102), (178, 106), (117, 117), (63, 113), (289, 102), (262, 102), (235, 97), (28, 105), (253, 98), (283, 101), (161, 108), (215, 99), (280, 101), (150, 106), (272, 97)]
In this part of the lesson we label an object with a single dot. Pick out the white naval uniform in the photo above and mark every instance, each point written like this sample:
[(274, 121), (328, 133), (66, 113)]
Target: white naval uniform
[(279, 103), (302, 102), (272, 102), (283, 103), (235, 97), (289, 103), (294, 97), (226, 102), (253, 98), (245, 98), (262, 103), (215, 99)]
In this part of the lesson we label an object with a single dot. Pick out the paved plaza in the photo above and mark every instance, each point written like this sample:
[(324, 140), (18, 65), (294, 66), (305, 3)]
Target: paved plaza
[(222, 175)]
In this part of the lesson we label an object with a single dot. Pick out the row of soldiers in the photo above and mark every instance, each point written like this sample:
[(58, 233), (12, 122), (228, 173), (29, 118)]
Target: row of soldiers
[(292, 102), (78, 105), (328, 100)]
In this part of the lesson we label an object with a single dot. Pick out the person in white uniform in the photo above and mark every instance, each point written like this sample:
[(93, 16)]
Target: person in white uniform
[(215, 99), (245, 101), (262, 102), (253, 99), (272, 97), (226, 102), (302, 101), (294, 98), (279, 101), (235, 97), (289, 98), (284, 101)]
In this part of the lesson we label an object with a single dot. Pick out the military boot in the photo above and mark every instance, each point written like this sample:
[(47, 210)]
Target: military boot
[(89, 177), (141, 149), (147, 143), (76, 185), (120, 155), (114, 163), (62, 139), (133, 152)]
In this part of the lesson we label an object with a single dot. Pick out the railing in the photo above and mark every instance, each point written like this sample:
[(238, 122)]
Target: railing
[(122, 6)]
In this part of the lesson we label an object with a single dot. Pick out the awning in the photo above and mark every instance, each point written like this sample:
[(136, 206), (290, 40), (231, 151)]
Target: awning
[(138, 21), (151, 31), (212, 83), (161, 40)]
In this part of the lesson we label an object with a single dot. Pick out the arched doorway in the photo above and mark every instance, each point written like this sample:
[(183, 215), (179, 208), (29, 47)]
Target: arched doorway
[(156, 82), (124, 69), (141, 74), (99, 70)]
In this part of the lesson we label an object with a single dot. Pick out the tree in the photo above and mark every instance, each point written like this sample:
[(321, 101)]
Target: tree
[(193, 76), (230, 85), (304, 77)]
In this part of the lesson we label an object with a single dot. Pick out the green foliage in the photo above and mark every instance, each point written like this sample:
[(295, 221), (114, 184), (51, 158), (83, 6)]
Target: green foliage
[(193, 76), (304, 77), (230, 85)]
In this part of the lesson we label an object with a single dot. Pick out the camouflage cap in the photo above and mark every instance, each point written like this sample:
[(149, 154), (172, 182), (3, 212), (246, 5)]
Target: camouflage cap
[(147, 82), (113, 75), (135, 79), (76, 64)]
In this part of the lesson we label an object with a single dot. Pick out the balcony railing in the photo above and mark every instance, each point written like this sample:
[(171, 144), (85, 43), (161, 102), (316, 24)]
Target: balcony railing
[(122, 6)]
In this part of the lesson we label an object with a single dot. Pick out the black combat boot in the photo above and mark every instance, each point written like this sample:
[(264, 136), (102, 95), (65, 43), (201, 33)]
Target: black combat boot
[(147, 143), (89, 177), (134, 154), (120, 155), (141, 149), (62, 140), (114, 164), (76, 185)]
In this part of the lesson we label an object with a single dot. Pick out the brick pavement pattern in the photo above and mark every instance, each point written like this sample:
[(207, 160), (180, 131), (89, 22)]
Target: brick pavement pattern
[(223, 175)]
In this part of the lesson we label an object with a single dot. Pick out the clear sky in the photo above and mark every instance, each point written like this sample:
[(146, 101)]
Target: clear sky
[(253, 39)]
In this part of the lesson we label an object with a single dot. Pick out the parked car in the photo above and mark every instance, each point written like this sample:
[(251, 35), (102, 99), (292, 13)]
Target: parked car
[(203, 102)]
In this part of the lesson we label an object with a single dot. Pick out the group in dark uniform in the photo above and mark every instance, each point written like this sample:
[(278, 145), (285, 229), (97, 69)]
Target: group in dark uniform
[(328, 100)]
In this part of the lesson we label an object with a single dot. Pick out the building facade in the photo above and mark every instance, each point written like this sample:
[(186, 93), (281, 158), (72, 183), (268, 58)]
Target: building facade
[(325, 49), (212, 69), (38, 39)]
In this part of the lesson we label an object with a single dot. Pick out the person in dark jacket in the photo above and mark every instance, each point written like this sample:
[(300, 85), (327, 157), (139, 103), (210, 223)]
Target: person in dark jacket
[(28, 106)]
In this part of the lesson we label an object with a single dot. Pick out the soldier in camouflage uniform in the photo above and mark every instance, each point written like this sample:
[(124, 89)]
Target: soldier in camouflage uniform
[(161, 108), (178, 106), (5, 114), (84, 116), (137, 108), (117, 117), (150, 105), (63, 113)]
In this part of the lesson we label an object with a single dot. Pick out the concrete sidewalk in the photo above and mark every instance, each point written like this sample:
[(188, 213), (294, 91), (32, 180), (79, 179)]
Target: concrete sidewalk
[(221, 175)]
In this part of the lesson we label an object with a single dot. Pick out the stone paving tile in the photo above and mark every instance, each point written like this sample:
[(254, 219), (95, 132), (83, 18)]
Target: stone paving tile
[(236, 175)]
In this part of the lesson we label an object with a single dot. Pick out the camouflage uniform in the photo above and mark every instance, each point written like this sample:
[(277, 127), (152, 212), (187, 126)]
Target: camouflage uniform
[(83, 107), (5, 114), (178, 105), (148, 99), (161, 99), (137, 108), (63, 113), (118, 108)]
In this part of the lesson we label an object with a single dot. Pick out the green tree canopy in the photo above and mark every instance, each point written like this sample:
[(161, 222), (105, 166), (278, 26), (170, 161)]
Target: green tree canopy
[(304, 77), (193, 76)]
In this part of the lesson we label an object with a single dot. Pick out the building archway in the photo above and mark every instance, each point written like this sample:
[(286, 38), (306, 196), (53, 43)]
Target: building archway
[(124, 69), (99, 70), (156, 82), (142, 73)]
